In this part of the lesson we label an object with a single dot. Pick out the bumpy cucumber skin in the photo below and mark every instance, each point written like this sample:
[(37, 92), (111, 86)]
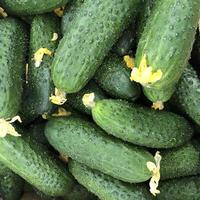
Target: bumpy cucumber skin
[(182, 161), (187, 95), (31, 161), (40, 85), (178, 189), (29, 7), (106, 187), (85, 142), (167, 40), (92, 33), (13, 37), (75, 100), (114, 77), (141, 126)]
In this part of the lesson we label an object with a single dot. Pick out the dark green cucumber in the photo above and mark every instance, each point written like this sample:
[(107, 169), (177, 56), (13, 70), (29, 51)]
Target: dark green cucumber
[(187, 95), (141, 126), (167, 41), (106, 187), (114, 77), (92, 33), (75, 100), (40, 85), (13, 37), (182, 161), (35, 164), (29, 7), (178, 189), (85, 142)]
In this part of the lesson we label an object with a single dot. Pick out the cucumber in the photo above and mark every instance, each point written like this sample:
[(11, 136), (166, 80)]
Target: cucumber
[(40, 85), (106, 187), (178, 189), (88, 144), (13, 37), (34, 163), (187, 95), (181, 161), (75, 100), (141, 126), (166, 42), (114, 77), (95, 29), (29, 7)]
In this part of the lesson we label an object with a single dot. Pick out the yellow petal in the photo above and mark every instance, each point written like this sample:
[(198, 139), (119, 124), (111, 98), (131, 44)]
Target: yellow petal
[(61, 113), (156, 76), (143, 63), (129, 61), (64, 158), (158, 105), (59, 11), (45, 115), (55, 37), (59, 98), (3, 13), (88, 100), (38, 56)]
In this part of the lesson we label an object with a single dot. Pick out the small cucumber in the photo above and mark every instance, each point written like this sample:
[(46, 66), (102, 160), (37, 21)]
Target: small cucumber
[(75, 100), (13, 37), (178, 189), (92, 33), (88, 144), (141, 126), (164, 47), (181, 161), (106, 187), (40, 85), (29, 7), (114, 77), (32, 162), (187, 95)]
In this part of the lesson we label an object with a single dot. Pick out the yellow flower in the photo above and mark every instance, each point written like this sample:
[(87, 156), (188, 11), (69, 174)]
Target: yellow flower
[(59, 98), (38, 56), (158, 105), (59, 11), (61, 113), (144, 74), (88, 100), (55, 37), (129, 61), (3, 13)]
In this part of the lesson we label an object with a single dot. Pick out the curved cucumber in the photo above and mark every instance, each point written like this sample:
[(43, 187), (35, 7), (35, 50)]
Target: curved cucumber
[(106, 187), (182, 161), (167, 41), (33, 163), (187, 95), (92, 33), (88, 144), (29, 7), (40, 85), (114, 77), (141, 126), (13, 37)]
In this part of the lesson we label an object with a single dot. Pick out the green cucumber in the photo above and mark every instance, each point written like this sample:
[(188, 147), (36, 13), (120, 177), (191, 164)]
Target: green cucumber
[(187, 95), (141, 126), (178, 189), (29, 7), (75, 100), (39, 85), (92, 33), (114, 77), (106, 187), (35, 164), (167, 41), (181, 161), (85, 142), (13, 37)]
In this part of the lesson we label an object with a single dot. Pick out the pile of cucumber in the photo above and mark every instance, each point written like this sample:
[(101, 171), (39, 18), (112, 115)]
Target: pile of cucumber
[(100, 99)]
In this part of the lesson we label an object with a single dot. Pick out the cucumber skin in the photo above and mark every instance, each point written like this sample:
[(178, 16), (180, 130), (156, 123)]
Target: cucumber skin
[(171, 52), (104, 21), (85, 142), (40, 85), (182, 161), (13, 37), (29, 7), (141, 126), (178, 189), (75, 100), (187, 95), (114, 77), (106, 187), (32, 162)]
